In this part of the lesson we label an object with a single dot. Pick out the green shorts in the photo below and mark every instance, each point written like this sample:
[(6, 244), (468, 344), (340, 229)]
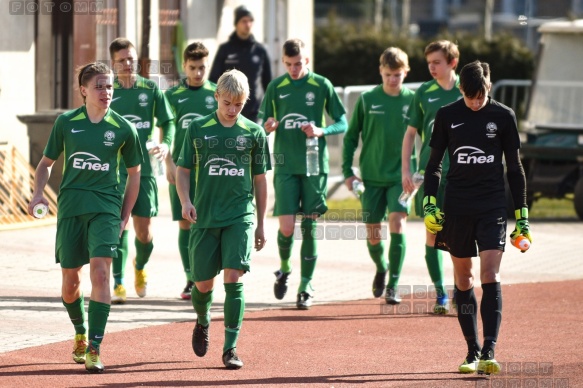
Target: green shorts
[(147, 202), (214, 249), (300, 194), (420, 194), (83, 237), (377, 200), (175, 204)]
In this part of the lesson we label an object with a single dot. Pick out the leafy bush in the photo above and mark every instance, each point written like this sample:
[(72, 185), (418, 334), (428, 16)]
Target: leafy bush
[(348, 55)]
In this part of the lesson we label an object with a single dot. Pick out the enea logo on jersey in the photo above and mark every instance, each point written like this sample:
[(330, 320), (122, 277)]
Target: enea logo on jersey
[(310, 97), (87, 161), (472, 155), (109, 136), (143, 97), (491, 129), (222, 166), (187, 118), (295, 121), (137, 121)]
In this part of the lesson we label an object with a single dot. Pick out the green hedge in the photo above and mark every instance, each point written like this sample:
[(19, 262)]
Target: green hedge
[(348, 56)]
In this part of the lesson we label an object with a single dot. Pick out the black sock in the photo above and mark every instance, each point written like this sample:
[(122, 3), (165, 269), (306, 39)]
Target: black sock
[(491, 310), (467, 308)]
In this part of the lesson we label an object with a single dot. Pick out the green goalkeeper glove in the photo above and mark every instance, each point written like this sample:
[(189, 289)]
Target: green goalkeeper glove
[(522, 227), (433, 217)]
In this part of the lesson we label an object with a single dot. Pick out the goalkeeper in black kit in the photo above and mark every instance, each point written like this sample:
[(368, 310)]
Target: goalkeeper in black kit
[(478, 133)]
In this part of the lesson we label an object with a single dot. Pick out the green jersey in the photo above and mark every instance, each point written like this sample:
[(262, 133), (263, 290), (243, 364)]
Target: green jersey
[(380, 120), (293, 104), (189, 103), (427, 101), (92, 157), (226, 160), (140, 104)]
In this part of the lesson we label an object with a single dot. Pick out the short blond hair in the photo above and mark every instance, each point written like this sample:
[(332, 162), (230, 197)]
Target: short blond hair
[(234, 84)]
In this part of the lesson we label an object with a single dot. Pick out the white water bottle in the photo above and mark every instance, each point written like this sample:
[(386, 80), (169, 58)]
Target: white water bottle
[(40, 210), (157, 165), (405, 198), (357, 188), (312, 159)]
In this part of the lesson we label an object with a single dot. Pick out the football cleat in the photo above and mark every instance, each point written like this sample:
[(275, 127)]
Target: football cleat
[(200, 339), (119, 295), (231, 360), (93, 362), (378, 284), (79, 348), (280, 285), (141, 281)]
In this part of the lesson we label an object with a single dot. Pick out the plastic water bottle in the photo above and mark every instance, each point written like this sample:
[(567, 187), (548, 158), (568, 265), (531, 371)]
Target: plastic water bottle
[(157, 165), (357, 188), (521, 243), (312, 152), (40, 210), (405, 198)]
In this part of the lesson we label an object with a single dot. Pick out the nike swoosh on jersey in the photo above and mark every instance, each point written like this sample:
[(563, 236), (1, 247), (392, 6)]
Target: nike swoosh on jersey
[(77, 130), (231, 56), (375, 106), (181, 100), (209, 137), (284, 95), (432, 99), (456, 125), (117, 98)]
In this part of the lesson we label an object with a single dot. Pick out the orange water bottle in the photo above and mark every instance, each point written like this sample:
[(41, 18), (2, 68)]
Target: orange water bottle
[(521, 243)]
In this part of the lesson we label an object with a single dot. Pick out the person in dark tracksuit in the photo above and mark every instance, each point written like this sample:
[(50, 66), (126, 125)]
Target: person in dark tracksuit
[(244, 53)]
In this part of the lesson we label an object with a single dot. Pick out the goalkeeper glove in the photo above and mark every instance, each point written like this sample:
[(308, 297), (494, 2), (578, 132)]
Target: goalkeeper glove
[(522, 227), (433, 217)]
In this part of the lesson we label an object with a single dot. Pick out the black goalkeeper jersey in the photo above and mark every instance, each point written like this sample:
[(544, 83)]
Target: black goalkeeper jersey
[(476, 142)]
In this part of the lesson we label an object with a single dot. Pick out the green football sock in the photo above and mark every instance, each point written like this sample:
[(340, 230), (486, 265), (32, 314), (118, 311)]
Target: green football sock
[(119, 263), (98, 314), (285, 245), (202, 305), (143, 253), (183, 236), (308, 253), (434, 261), (76, 311), (234, 310), (377, 254), (397, 249)]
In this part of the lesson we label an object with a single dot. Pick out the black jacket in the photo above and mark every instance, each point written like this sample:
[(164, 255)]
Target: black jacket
[(250, 57)]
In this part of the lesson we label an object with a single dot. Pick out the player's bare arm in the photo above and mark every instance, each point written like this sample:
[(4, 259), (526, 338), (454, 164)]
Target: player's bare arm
[(41, 177), (260, 184), (130, 195), (408, 143)]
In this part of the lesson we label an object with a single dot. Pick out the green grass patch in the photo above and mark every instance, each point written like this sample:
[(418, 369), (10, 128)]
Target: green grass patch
[(349, 209)]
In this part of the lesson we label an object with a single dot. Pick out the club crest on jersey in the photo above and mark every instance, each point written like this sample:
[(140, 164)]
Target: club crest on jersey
[(222, 166), (310, 97), (87, 161), (109, 136), (256, 59), (241, 143), (295, 121), (210, 102), (143, 97), (491, 129)]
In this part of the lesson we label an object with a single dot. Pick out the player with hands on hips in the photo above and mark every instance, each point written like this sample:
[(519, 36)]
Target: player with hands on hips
[(478, 134)]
